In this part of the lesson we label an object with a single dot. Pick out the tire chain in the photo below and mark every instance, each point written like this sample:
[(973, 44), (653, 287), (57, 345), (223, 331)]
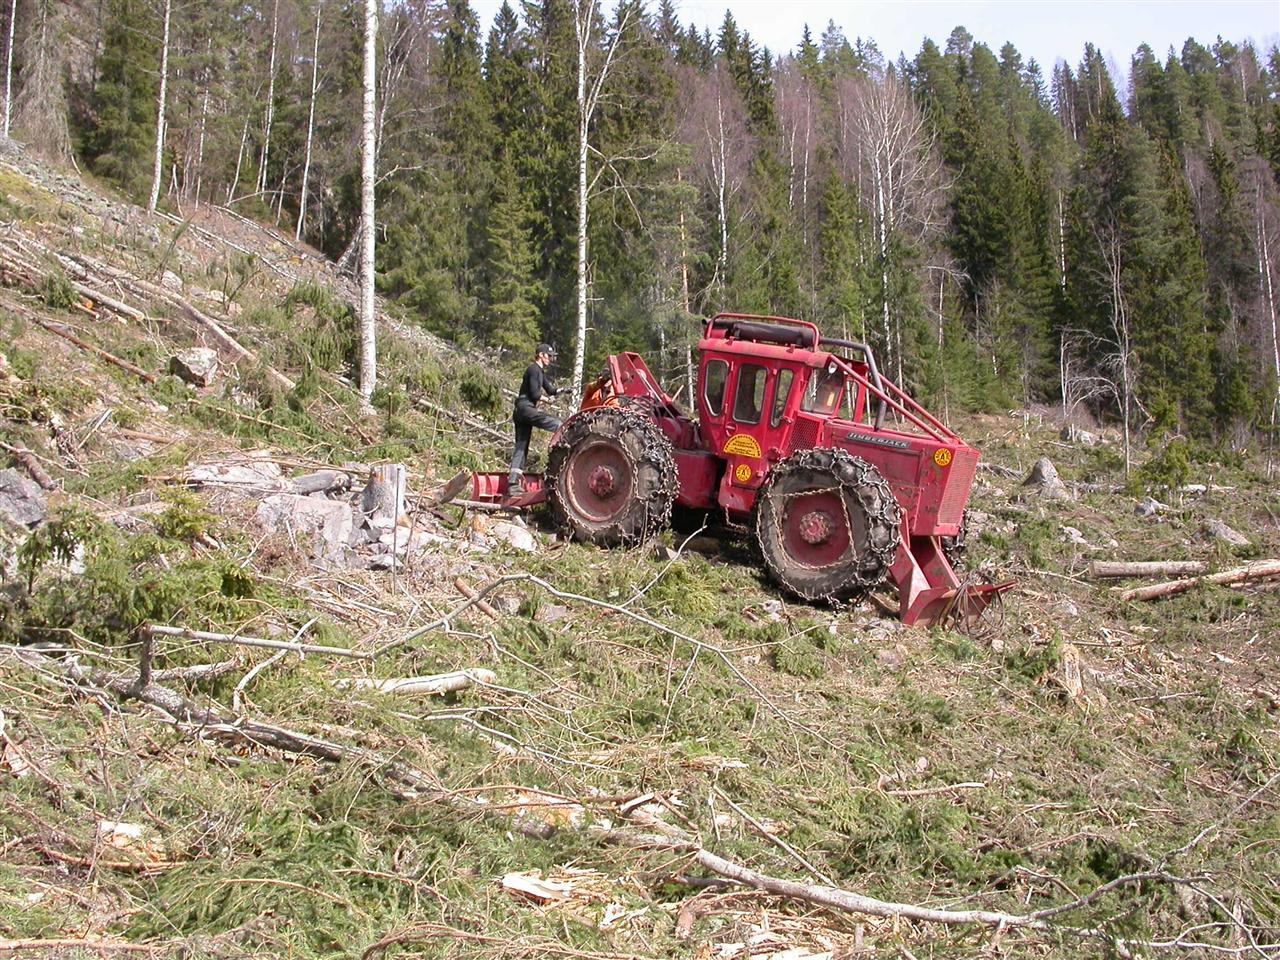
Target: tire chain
[(658, 452), (853, 476)]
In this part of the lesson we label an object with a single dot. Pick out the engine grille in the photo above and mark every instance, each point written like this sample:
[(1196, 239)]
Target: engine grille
[(959, 480), (804, 436)]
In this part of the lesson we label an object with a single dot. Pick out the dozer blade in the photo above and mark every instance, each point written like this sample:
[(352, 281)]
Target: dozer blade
[(930, 593), (492, 488), (950, 606)]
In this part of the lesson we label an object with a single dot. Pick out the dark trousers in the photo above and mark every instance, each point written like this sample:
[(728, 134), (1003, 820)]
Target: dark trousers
[(526, 418)]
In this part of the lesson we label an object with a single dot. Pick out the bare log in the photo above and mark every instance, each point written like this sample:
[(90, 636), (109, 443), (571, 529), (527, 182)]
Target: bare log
[(422, 686), (321, 481), (1116, 569), (1235, 577), (482, 507), (467, 591), (851, 902)]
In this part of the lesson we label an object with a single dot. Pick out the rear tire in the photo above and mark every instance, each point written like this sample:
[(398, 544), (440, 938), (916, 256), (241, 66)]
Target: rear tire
[(611, 477), (827, 525)]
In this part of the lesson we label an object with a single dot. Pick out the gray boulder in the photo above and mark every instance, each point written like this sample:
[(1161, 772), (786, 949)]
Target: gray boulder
[(1044, 480), (198, 366), (1217, 530), (21, 500), (330, 520), (1073, 434)]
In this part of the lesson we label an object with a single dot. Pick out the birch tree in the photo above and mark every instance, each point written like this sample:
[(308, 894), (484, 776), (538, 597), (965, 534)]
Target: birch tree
[(368, 325), (158, 164), (884, 146), (271, 95), (8, 66), (585, 18), (714, 123), (311, 124)]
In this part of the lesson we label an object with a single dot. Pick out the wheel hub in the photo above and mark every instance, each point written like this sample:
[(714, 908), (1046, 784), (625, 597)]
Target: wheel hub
[(602, 482), (815, 527)]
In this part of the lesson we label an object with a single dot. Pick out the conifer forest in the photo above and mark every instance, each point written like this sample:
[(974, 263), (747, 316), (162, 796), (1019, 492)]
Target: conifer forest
[(1003, 232)]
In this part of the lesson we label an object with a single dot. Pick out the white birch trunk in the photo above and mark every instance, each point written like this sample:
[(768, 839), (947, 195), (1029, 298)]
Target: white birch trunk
[(311, 125), (368, 329), (884, 251), (588, 98), (160, 110), (271, 96), (584, 120), (1062, 243), (722, 184), (204, 122), (8, 68), (1264, 271), (235, 180)]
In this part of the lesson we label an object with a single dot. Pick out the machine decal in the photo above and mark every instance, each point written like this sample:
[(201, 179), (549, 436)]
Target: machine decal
[(743, 445), (942, 457), (742, 473), (878, 441)]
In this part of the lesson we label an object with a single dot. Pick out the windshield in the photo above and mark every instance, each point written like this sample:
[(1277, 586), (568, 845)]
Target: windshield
[(823, 395)]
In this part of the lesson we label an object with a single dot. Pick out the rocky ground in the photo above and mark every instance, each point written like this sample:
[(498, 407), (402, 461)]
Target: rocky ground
[(375, 724)]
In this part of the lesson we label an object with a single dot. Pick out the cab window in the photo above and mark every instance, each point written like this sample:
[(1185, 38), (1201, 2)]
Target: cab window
[(748, 402), (825, 391), (781, 394), (714, 376)]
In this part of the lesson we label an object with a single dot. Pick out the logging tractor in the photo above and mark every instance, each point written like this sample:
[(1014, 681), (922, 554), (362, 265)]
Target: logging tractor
[(842, 480)]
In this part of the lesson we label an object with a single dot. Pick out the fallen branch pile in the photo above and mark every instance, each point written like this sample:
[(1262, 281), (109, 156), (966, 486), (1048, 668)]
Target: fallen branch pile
[(89, 276), (642, 830)]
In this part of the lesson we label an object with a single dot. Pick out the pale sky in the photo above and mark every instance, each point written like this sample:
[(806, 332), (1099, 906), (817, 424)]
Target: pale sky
[(1044, 29)]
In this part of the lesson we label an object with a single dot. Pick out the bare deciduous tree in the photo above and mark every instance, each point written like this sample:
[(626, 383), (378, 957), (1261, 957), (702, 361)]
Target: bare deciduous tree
[(585, 15), (271, 95), (884, 146), (161, 99), (714, 124), (40, 104), (311, 123), (8, 66), (368, 177), (797, 113)]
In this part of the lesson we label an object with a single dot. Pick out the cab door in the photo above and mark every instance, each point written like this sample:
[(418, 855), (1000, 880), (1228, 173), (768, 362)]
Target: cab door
[(757, 418)]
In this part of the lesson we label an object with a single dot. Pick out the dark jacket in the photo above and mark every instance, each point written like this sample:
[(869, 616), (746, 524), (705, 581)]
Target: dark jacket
[(532, 387)]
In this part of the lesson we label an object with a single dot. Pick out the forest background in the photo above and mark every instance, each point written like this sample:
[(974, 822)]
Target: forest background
[(999, 235)]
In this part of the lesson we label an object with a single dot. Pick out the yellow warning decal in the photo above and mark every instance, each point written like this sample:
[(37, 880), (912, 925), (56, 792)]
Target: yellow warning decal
[(742, 473), (942, 457), (743, 445)]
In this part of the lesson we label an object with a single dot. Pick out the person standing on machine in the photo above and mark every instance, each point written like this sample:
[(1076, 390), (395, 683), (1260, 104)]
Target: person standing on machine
[(533, 389)]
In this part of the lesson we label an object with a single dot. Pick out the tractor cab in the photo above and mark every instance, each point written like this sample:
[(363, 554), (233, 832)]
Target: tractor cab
[(766, 389)]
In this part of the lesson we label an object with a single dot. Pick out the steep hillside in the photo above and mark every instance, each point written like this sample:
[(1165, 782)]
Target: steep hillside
[(635, 729)]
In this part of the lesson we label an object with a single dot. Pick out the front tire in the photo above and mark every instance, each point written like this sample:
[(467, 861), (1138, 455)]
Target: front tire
[(611, 477), (827, 524)]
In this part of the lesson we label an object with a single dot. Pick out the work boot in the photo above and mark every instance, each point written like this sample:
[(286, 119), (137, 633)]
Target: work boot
[(515, 485)]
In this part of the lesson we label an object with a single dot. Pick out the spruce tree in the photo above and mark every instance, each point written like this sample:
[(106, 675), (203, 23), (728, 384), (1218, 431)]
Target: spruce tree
[(122, 129)]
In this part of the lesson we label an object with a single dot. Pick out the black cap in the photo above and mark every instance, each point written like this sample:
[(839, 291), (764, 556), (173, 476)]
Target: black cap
[(546, 348)]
